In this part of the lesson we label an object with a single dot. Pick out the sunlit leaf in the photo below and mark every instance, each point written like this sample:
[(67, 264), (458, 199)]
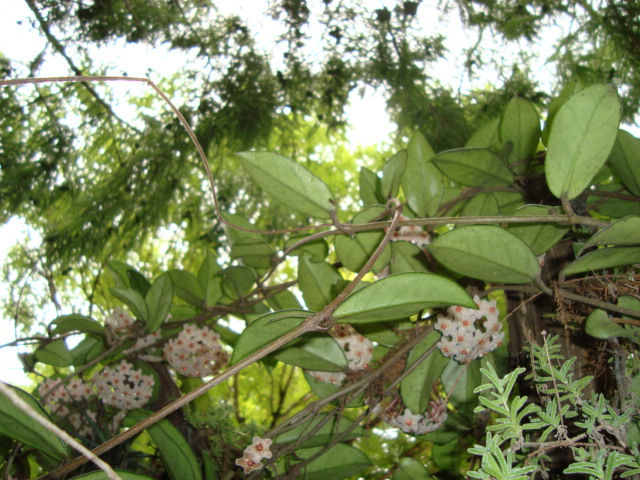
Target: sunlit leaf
[(392, 173), (74, 322), (370, 188), (237, 281), (539, 236), (289, 183), (486, 135), (520, 125), (187, 287), (476, 167), (407, 257), (422, 183), (568, 90), (625, 160), (416, 387), (253, 252), (133, 300), (581, 138), (316, 249), (318, 282), (486, 252), (401, 295), (603, 258), (54, 353), (159, 299), (19, 426)]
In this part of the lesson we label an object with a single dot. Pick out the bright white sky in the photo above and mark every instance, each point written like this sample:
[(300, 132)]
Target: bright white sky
[(369, 123)]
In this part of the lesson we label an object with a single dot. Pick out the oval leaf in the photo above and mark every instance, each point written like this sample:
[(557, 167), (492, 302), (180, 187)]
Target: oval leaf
[(370, 187), (314, 352), (318, 282), (603, 258), (54, 353), (75, 323), (625, 160), (340, 461), (399, 296), (187, 287), (392, 173), (486, 252), (598, 325), (422, 183), (289, 183), (623, 232), (580, 139), (539, 236), (19, 426), (477, 167), (176, 454), (330, 429), (159, 299), (520, 125), (133, 300)]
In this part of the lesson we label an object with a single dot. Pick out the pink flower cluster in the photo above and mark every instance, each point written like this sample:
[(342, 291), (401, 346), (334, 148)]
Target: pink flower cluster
[(468, 334), (57, 397), (254, 453), (410, 422), (413, 234), (196, 352), (357, 349), (123, 387), (119, 321)]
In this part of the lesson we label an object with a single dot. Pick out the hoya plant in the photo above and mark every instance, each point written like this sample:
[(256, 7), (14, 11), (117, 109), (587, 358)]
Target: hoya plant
[(358, 345)]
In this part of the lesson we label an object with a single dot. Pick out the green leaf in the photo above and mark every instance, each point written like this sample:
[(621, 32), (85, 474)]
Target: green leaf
[(476, 167), (176, 454), (581, 138), (613, 207), (330, 429), (623, 232), (86, 350), (399, 296), (630, 302), (316, 249), (481, 205), (355, 252), (422, 183), (520, 125), (539, 236), (253, 252), (265, 330), (284, 300), (486, 136), (159, 299), (603, 258), (340, 461), (138, 282), (289, 183), (208, 268), (318, 282), (411, 469), (132, 299), (392, 173), (75, 322), (187, 287), (54, 353), (100, 475), (486, 252), (19, 426), (598, 325), (625, 161), (407, 257), (460, 382), (370, 188), (119, 273), (384, 333), (314, 352), (416, 387), (237, 281), (568, 90)]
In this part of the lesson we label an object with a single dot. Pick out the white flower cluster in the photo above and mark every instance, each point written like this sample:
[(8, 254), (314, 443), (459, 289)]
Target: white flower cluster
[(119, 321), (196, 352), (469, 334), (143, 344), (123, 387), (254, 453), (410, 422), (57, 396), (412, 233), (357, 349)]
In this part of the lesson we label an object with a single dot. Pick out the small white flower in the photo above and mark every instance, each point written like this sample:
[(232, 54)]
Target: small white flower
[(123, 387), (196, 352)]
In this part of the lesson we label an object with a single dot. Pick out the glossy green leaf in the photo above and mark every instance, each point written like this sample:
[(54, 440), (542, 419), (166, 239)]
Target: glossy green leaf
[(86, 350), (520, 125), (370, 188), (598, 325), (317, 249), (289, 183), (187, 287), (422, 184), (623, 232), (481, 205), (486, 252), (314, 352), (416, 387), (581, 138), (392, 173), (330, 429), (265, 330), (54, 353), (411, 469), (237, 281), (399, 296), (603, 258), (253, 252), (100, 475), (476, 167), (19, 426), (407, 257), (539, 236), (486, 136), (159, 299), (177, 456), (355, 252), (625, 161), (318, 282), (132, 299), (340, 461), (75, 322)]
